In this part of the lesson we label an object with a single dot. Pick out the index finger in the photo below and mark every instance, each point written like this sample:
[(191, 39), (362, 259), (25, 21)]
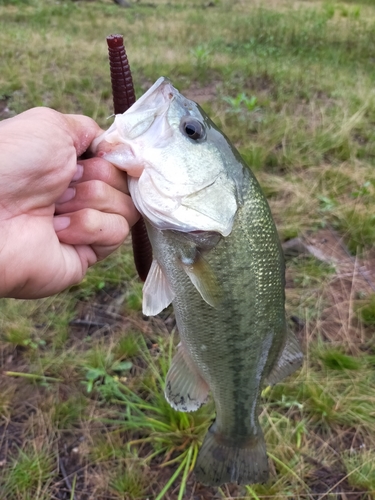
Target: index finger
[(99, 169)]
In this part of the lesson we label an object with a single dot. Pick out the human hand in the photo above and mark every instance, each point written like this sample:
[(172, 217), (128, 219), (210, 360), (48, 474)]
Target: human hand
[(58, 215)]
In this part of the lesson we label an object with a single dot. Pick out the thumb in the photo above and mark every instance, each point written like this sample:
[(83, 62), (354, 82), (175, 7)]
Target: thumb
[(82, 130)]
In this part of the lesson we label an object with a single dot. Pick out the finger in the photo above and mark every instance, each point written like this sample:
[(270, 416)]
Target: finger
[(101, 170), (82, 130), (99, 196), (103, 232)]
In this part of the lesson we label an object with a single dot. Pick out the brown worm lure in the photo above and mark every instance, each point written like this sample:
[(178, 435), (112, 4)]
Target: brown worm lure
[(123, 97)]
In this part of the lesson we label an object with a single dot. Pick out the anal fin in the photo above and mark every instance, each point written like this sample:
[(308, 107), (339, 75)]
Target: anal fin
[(289, 361), (185, 389)]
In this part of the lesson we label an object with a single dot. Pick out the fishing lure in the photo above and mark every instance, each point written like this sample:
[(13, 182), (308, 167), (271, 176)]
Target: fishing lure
[(123, 97)]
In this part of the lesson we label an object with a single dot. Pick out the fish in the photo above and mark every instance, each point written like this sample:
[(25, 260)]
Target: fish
[(217, 258)]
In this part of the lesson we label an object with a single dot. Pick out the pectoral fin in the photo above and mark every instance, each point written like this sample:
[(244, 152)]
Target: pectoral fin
[(185, 389), (203, 278), (289, 361), (157, 293)]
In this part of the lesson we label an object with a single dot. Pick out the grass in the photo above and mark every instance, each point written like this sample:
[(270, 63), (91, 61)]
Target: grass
[(291, 84), (28, 473)]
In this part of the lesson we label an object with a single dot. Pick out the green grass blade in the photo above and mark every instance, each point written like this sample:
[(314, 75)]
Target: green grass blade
[(250, 490), (186, 473), (72, 495), (171, 481)]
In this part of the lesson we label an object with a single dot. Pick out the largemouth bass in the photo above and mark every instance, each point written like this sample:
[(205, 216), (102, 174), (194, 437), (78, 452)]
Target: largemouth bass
[(218, 259)]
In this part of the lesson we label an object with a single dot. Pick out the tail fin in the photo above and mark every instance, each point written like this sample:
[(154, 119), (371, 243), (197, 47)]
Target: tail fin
[(220, 461)]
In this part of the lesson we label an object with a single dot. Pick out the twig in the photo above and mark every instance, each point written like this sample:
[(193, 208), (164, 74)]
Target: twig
[(33, 376), (86, 322), (66, 480)]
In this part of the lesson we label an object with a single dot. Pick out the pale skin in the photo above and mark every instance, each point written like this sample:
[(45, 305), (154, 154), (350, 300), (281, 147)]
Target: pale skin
[(58, 214)]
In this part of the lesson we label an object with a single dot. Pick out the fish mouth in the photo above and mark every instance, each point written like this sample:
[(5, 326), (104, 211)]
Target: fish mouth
[(119, 152), (116, 144), (160, 93)]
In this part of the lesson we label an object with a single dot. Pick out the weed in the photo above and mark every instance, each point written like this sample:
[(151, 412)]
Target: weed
[(66, 414), (6, 398), (103, 370), (366, 310), (173, 436), (200, 54), (336, 360), (28, 472), (242, 101), (363, 190), (20, 335), (128, 346), (134, 297), (358, 225), (360, 467), (326, 204), (201, 57), (309, 271), (108, 274), (129, 480)]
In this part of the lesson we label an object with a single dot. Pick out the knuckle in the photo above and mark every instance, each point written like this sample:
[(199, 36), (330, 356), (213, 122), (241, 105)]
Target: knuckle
[(123, 228), (90, 220), (108, 229), (104, 168), (94, 189)]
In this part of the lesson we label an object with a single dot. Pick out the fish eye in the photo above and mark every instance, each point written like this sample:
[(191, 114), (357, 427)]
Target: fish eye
[(192, 128)]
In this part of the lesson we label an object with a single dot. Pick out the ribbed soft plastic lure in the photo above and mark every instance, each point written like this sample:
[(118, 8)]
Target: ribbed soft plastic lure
[(123, 97)]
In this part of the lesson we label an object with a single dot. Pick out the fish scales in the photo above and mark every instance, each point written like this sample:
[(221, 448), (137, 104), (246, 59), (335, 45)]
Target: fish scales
[(235, 369), (243, 281), (218, 259)]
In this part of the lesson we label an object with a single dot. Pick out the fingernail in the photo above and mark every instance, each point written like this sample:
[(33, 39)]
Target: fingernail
[(67, 195), (60, 223), (79, 173)]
